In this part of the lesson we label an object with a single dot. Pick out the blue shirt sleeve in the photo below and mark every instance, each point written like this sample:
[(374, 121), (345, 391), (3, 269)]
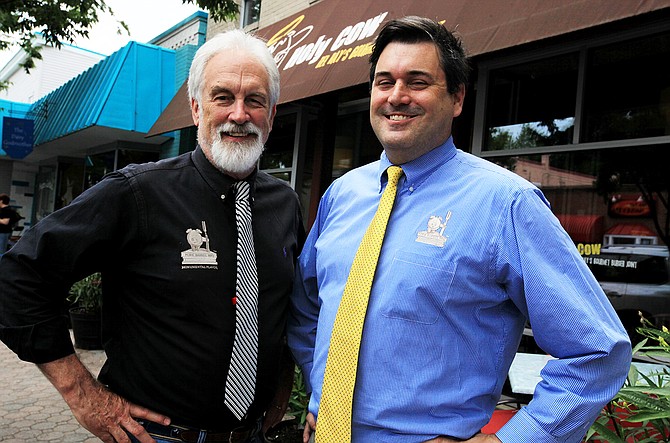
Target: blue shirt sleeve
[(304, 312), (571, 319)]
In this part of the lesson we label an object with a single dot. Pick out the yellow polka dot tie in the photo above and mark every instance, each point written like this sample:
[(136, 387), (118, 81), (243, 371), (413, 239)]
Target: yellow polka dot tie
[(334, 419)]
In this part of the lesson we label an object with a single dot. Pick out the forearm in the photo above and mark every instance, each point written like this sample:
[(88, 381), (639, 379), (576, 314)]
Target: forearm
[(69, 376), (96, 408)]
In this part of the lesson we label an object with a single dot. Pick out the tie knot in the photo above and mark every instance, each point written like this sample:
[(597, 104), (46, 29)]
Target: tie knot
[(394, 174), (241, 190)]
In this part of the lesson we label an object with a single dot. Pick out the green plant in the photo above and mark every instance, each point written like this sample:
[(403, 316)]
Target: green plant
[(299, 400), (640, 412), (87, 293)]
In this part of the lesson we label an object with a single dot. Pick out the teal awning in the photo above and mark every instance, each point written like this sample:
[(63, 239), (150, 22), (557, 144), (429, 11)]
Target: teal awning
[(118, 99)]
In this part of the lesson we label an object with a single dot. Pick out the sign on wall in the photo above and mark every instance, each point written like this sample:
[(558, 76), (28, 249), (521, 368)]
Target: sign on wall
[(17, 136)]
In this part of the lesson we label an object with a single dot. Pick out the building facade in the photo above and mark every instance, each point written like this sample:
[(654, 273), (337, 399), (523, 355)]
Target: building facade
[(574, 96), (63, 129)]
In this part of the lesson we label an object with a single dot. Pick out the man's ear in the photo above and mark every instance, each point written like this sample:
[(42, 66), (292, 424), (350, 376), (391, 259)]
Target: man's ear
[(273, 112), (459, 98), (195, 111)]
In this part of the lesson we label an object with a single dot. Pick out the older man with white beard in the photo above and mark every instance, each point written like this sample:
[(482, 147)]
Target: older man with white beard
[(166, 239)]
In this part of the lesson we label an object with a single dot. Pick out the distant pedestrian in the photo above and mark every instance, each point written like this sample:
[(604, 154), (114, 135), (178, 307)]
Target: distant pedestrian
[(8, 219)]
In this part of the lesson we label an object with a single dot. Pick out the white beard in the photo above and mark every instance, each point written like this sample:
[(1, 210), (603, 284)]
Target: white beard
[(235, 158)]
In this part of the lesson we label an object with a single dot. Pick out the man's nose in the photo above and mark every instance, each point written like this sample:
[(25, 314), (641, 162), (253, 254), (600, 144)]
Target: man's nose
[(399, 94), (238, 112)]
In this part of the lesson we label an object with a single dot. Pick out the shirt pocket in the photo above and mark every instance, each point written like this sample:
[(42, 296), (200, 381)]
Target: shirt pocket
[(417, 287)]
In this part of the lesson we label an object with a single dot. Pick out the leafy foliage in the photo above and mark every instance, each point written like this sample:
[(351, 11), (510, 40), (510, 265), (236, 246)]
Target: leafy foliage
[(640, 412), (87, 293), (299, 400), (57, 21), (65, 20), (219, 10)]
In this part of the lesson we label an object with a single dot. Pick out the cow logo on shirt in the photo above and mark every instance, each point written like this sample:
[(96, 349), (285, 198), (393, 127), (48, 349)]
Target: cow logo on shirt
[(434, 233), (197, 256)]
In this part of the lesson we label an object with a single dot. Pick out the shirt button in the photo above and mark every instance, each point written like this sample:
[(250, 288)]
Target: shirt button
[(223, 197), (411, 189)]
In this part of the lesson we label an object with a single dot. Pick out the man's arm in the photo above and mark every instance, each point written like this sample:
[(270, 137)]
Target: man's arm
[(103, 413), (275, 413), (572, 320)]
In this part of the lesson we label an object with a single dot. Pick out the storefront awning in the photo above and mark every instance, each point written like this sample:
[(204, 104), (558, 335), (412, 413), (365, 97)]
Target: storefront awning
[(177, 114), (583, 228), (326, 46), (631, 229), (118, 99)]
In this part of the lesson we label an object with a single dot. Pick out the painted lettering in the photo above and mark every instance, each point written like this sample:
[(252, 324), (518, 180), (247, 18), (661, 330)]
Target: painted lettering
[(359, 31), (589, 249), (319, 49)]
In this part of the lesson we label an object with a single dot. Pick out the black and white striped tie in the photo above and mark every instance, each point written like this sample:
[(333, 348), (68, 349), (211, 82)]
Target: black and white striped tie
[(241, 381)]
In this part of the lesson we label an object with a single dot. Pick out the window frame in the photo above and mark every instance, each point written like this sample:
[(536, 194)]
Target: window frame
[(484, 68)]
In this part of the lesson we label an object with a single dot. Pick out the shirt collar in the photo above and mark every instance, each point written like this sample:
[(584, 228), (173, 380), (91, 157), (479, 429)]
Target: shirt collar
[(220, 182), (418, 170)]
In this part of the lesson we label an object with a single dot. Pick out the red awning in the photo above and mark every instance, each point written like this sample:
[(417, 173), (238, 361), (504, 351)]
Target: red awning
[(583, 228), (326, 46), (631, 229)]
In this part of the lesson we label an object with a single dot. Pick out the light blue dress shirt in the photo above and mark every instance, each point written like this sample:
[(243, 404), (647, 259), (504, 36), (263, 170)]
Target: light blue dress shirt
[(471, 251)]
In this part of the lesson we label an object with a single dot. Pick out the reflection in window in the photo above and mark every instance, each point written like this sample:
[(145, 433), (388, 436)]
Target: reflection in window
[(605, 197), (45, 193), (532, 104), (642, 268), (97, 165), (355, 141), (70, 182), (277, 157), (616, 107), (251, 12)]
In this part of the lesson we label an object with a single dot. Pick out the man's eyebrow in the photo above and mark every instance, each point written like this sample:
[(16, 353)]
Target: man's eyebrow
[(214, 90), (412, 73)]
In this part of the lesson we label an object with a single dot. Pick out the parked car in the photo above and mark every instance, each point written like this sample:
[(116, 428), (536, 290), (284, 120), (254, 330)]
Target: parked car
[(636, 280)]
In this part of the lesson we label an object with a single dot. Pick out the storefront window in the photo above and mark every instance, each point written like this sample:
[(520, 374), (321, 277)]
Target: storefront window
[(355, 142), (45, 193), (251, 12), (532, 104), (277, 159), (126, 157), (70, 182), (97, 165), (614, 205), (627, 93)]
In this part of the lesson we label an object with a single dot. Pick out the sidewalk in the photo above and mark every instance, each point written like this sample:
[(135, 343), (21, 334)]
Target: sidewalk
[(31, 410)]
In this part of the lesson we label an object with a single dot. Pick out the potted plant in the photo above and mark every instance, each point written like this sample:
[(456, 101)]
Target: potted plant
[(640, 412), (86, 297)]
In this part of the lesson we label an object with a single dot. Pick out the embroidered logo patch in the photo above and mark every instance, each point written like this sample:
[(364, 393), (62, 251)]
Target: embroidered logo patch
[(434, 234), (197, 256)]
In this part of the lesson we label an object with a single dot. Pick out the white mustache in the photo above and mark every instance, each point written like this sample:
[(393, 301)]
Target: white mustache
[(239, 130)]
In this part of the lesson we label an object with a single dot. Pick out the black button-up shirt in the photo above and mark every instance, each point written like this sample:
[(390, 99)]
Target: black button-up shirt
[(163, 234)]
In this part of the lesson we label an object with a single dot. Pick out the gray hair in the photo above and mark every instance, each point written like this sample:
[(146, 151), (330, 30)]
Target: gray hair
[(240, 41)]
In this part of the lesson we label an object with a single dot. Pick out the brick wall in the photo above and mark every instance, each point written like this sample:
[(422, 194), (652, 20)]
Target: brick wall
[(271, 12)]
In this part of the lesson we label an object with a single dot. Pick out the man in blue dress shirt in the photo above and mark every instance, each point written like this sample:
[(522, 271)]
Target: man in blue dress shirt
[(472, 251)]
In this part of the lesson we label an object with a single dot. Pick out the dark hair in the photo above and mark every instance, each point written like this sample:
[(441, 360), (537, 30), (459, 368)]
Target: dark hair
[(4, 198), (413, 29)]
